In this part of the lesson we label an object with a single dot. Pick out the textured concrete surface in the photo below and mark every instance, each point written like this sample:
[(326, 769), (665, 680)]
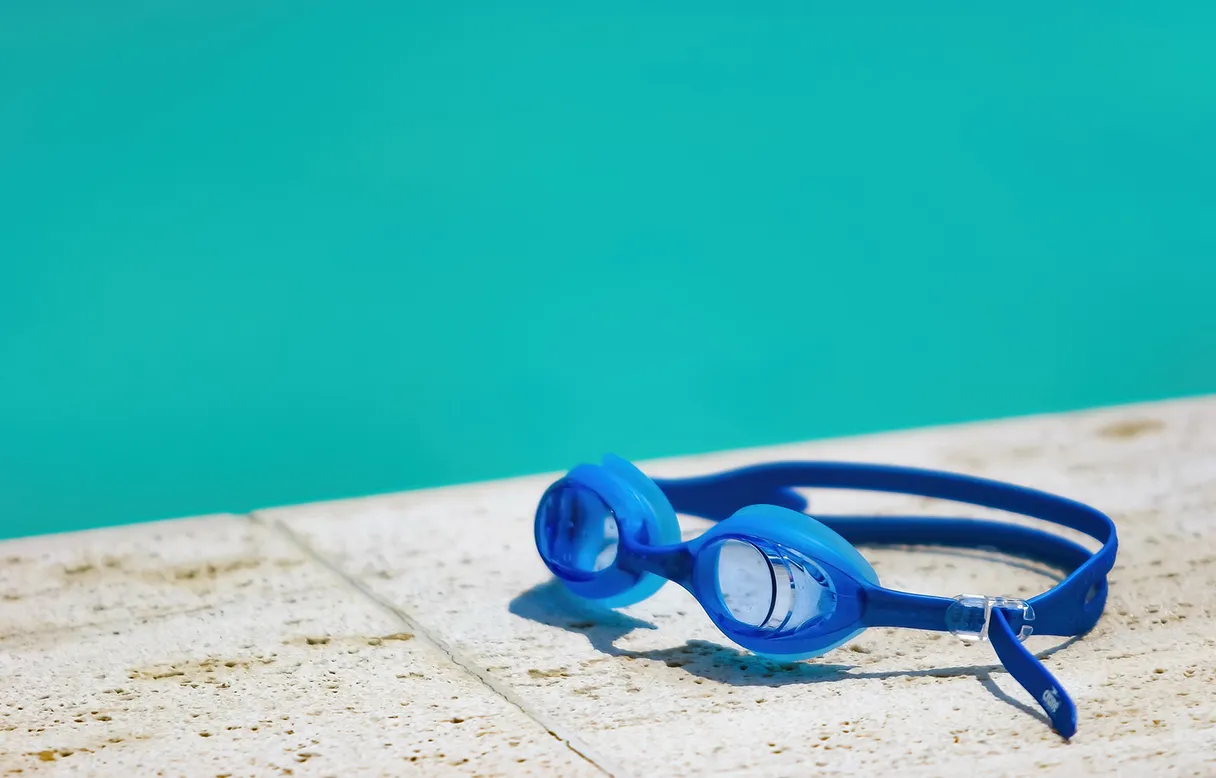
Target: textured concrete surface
[(418, 634)]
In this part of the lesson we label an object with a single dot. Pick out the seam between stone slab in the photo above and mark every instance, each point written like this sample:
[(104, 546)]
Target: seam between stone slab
[(421, 632)]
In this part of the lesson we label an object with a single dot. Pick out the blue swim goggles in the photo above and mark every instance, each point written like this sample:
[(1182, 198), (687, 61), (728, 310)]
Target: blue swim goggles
[(787, 586)]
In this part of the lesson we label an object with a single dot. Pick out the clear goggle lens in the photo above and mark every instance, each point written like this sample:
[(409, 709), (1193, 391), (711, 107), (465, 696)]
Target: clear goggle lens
[(577, 529), (769, 588)]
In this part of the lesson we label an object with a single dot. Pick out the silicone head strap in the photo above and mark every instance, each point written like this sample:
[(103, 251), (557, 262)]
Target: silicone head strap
[(1070, 608)]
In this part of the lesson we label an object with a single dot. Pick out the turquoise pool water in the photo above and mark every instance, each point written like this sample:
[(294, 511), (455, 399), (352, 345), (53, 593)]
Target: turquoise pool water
[(255, 254)]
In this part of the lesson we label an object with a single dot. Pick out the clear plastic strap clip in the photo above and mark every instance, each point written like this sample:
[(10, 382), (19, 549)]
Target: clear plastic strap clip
[(970, 615)]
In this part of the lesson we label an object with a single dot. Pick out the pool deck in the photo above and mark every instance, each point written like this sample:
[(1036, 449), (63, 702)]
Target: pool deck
[(418, 634)]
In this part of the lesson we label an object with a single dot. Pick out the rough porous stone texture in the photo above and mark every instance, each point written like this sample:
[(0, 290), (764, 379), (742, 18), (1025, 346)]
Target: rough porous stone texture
[(418, 633), (218, 647)]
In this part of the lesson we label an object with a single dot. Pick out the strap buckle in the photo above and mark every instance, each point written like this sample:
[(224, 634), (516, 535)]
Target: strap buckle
[(970, 615)]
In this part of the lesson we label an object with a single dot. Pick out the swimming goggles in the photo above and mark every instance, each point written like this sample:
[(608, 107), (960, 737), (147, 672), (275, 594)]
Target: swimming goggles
[(787, 586)]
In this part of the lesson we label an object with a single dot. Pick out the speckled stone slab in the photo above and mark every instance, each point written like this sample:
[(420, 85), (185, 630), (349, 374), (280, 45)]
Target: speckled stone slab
[(418, 633), (218, 647)]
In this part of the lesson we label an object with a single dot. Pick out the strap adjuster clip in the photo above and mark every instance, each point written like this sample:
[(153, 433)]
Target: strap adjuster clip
[(970, 615)]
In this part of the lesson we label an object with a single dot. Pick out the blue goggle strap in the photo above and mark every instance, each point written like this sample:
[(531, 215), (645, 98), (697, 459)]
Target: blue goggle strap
[(1070, 608)]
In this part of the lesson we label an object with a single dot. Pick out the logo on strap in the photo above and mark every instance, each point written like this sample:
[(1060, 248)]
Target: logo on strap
[(1051, 700)]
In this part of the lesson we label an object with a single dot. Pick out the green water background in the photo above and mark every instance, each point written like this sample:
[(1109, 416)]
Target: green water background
[(264, 253)]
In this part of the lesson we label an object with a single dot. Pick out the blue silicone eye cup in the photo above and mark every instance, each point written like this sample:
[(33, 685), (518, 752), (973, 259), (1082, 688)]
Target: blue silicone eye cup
[(641, 512), (817, 581), (784, 585)]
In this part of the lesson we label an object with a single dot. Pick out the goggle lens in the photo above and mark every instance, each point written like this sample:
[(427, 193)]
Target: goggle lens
[(577, 529), (767, 588)]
